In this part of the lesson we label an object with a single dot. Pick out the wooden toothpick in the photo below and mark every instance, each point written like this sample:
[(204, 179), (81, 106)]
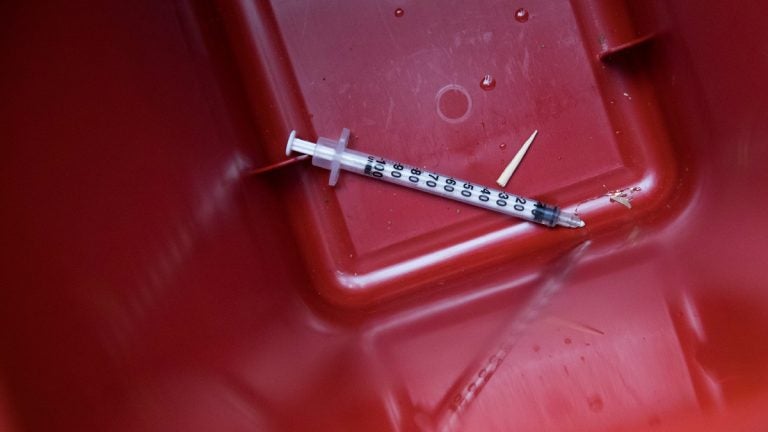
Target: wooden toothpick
[(510, 169)]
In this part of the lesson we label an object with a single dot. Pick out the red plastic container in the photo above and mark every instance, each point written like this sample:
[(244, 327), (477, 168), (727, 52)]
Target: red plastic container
[(150, 282)]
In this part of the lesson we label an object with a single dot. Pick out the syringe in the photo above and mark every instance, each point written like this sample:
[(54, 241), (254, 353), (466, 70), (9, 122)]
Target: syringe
[(334, 156)]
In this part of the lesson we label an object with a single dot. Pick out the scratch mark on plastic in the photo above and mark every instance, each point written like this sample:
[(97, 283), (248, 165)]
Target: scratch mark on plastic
[(574, 325), (306, 19), (385, 18), (389, 113)]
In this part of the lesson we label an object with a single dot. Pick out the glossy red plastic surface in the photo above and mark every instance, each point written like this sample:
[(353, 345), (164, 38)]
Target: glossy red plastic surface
[(150, 282), (409, 88)]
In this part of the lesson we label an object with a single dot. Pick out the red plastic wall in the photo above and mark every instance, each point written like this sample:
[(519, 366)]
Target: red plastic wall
[(148, 284)]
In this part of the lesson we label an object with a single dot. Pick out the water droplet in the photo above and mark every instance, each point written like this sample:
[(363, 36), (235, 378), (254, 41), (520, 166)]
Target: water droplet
[(521, 15), (488, 82), (595, 403), (502, 146), (567, 341), (399, 12)]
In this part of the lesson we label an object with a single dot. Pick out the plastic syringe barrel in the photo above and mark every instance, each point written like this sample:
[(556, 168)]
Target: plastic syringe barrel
[(334, 155)]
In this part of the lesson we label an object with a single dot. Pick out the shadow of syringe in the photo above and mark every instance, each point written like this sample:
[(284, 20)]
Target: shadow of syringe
[(468, 386)]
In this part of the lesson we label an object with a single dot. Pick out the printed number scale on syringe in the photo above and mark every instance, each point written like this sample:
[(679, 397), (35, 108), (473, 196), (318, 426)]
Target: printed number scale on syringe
[(334, 155)]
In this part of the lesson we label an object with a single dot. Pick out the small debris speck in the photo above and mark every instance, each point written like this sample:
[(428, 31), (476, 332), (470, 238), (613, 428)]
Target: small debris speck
[(621, 200)]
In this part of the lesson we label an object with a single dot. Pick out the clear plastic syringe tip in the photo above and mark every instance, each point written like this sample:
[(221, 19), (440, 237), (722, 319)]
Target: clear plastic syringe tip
[(569, 220)]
